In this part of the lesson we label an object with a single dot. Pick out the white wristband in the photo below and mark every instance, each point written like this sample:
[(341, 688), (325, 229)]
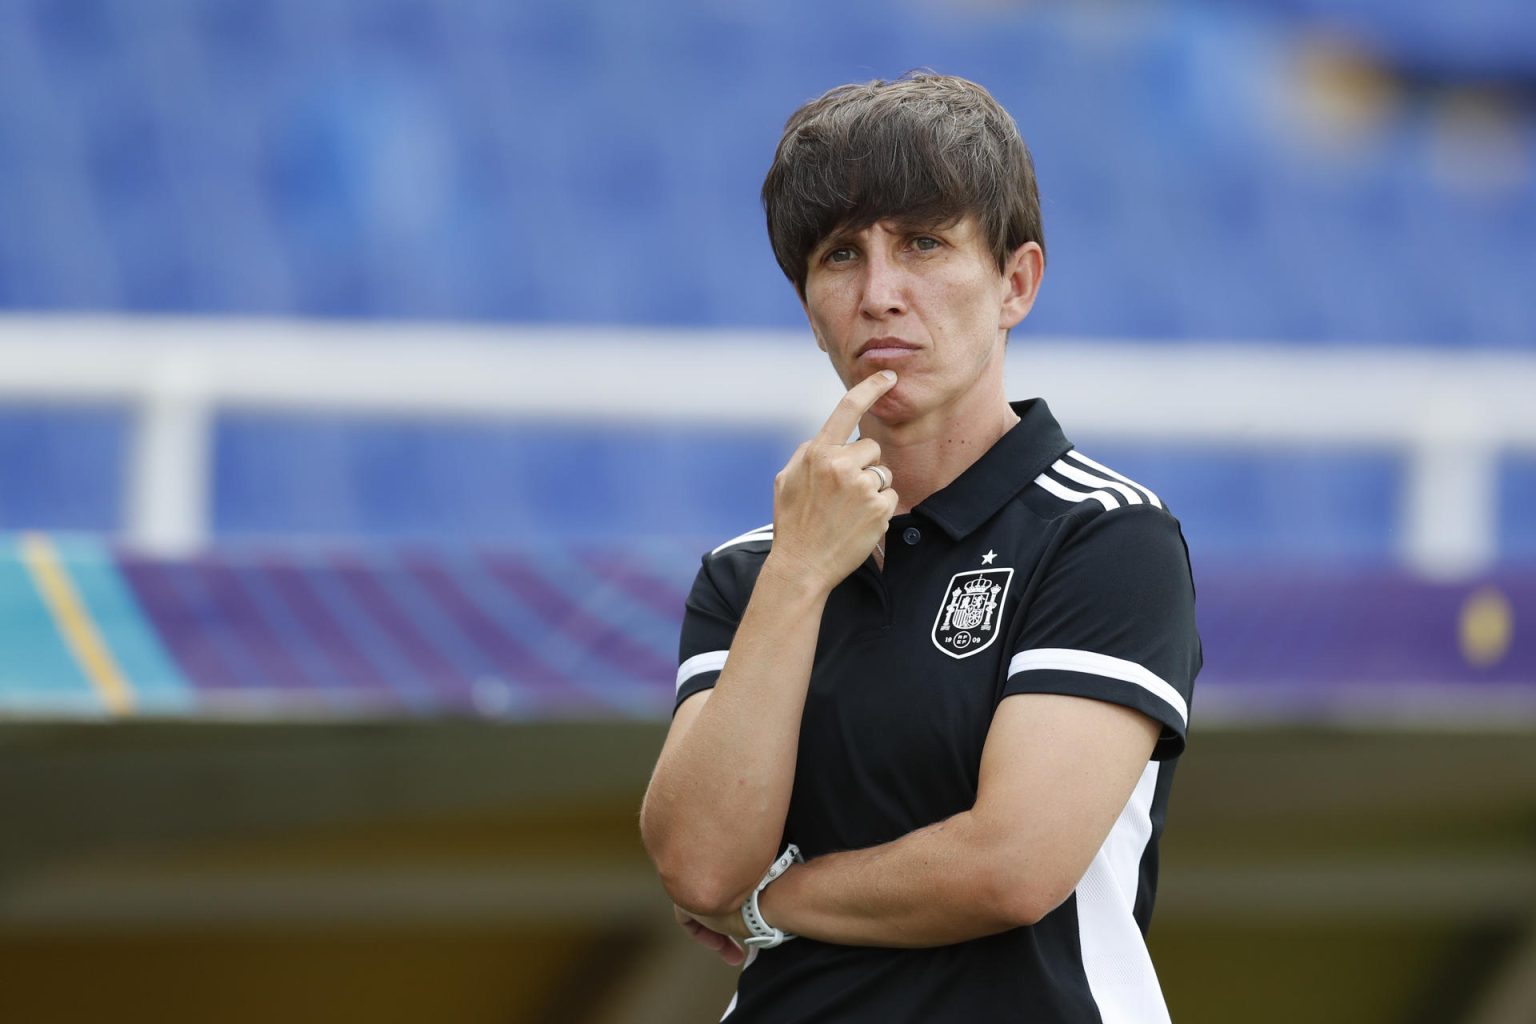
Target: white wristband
[(765, 935)]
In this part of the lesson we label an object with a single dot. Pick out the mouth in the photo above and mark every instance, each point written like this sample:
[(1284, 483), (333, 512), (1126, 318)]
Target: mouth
[(885, 348)]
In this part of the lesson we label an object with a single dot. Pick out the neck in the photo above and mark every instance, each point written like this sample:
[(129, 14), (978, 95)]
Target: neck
[(928, 455)]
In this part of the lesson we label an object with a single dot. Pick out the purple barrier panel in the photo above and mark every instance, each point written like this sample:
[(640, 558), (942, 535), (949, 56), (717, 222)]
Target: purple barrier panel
[(410, 629), (591, 630), (1380, 644)]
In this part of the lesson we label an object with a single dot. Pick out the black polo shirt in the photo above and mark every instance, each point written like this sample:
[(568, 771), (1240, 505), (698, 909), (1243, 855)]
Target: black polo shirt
[(1037, 571)]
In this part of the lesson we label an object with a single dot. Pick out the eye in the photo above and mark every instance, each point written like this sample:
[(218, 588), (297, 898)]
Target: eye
[(925, 243), (840, 254)]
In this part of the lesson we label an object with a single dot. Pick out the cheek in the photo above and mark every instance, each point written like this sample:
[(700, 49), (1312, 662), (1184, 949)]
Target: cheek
[(977, 314), (818, 328), (820, 314)]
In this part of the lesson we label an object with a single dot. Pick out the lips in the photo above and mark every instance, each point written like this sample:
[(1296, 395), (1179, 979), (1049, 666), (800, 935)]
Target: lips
[(885, 348)]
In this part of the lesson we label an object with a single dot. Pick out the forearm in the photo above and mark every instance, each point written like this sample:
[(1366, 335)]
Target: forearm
[(946, 883), (714, 811), (1056, 774)]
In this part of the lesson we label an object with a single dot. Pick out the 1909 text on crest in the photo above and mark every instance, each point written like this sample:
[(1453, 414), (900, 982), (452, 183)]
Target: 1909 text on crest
[(971, 612)]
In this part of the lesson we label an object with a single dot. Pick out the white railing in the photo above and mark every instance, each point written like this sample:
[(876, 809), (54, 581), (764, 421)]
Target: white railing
[(1448, 415)]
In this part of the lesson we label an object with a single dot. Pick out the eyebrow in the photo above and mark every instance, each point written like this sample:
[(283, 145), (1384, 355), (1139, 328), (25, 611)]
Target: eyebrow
[(834, 240), (911, 224), (844, 235)]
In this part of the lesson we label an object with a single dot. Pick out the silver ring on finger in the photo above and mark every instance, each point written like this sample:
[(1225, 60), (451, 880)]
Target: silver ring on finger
[(882, 474)]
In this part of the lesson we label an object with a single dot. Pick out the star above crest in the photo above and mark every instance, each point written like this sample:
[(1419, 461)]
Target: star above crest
[(986, 559)]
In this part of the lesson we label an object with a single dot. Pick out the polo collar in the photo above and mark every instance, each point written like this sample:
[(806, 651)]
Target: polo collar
[(1010, 465)]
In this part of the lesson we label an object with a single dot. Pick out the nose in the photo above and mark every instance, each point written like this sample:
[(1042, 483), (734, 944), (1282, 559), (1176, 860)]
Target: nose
[(884, 287)]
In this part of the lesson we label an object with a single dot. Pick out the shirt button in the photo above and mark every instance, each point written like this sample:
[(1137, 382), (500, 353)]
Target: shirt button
[(911, 535)]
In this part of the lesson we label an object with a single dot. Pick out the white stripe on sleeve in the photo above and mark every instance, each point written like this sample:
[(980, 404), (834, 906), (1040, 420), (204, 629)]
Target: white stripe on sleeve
[(761, 533), (709, 661), (1082, 476), (1085, 460), (1062, 491), (1065, 659)]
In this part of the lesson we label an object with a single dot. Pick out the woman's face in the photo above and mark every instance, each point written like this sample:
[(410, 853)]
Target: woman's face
[(927, 302)]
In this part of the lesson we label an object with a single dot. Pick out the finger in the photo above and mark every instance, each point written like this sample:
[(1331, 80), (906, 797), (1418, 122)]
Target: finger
[(703, 936), (723, 945), (852, 406), (878, 476), (863, 452)]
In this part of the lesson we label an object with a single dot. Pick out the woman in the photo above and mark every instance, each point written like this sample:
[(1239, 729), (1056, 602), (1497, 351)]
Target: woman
[(950, 681)]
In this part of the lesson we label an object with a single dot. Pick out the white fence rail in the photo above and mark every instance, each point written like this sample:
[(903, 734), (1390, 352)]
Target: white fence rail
[(1450, 415)]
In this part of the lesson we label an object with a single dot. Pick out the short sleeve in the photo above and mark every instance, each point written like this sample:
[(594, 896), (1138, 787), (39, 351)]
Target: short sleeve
[(709, 626), (1114, 619)]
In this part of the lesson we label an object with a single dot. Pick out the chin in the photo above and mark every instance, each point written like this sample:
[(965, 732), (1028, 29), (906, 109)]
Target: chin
[(894, 408)]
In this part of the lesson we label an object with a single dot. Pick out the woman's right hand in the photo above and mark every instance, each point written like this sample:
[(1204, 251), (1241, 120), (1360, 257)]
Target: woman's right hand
[(829, 509)]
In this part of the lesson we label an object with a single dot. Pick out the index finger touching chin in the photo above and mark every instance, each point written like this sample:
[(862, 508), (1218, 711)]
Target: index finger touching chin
[(852, 406)]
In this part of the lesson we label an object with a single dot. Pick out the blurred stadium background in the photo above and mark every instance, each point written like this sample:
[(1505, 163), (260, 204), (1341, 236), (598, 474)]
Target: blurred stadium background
[(373, 373)]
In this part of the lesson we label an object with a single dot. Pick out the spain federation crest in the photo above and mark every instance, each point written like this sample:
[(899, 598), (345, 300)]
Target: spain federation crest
[(970, 616)]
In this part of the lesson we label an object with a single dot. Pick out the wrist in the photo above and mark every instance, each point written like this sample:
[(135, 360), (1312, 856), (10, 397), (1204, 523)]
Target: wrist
[(776, 903), (763, 934), (793, 578)]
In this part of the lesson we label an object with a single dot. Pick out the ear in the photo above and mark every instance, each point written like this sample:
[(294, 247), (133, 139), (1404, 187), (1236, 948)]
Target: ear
[(1021, 283)]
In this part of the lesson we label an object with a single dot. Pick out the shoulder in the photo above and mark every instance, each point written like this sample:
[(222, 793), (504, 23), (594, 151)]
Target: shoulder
[(1099, 515), (1111, 612), (752, 544), (730, 568), (1083, 488)]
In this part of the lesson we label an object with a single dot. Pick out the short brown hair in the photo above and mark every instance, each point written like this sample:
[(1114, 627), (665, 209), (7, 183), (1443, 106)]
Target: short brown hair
[(923, 148)]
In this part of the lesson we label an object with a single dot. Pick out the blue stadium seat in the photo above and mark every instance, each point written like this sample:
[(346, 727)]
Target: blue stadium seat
[(1517, 527), (61, 469), (598, 162), (380, 154), (333, 477)]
